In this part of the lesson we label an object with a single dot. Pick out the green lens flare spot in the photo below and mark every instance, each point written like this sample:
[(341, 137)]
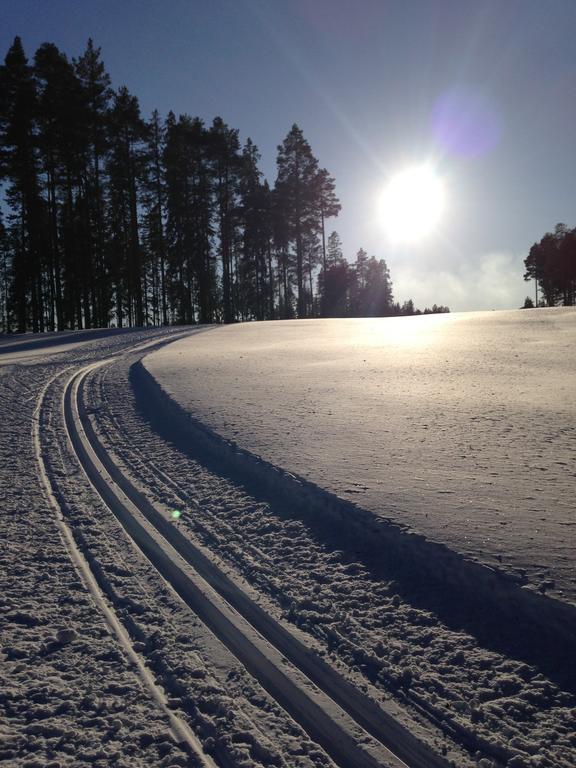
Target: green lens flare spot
[(175, 514)]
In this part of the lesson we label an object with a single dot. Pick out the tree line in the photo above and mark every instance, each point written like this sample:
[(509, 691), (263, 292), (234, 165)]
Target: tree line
[(107, 218), (551, 263)]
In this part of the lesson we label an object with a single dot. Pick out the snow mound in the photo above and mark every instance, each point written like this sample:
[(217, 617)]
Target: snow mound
[(458, 427)]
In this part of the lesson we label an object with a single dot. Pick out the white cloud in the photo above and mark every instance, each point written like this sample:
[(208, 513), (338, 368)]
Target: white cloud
[(490, 281)]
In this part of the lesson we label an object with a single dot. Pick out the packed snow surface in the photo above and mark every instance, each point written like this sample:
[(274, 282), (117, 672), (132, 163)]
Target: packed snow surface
[(459, 426)]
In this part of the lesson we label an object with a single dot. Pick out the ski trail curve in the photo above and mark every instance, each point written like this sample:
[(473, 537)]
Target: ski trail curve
[(336, 714), (180, 730)]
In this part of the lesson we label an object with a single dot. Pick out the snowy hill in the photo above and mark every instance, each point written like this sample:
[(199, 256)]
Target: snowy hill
[(461, 427)]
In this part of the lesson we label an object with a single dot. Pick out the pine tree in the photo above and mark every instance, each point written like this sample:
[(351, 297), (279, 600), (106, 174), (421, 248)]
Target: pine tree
[(111, 218), (224, 150), (284, 258), (154, 201), (552, 264), (5, 320), (20, 168), (377, 298), (190, 215), (62, 143), (97, 94), (256, 277), (296, 190), (328, 204), (335, 280), (125, 170), (334, 254)]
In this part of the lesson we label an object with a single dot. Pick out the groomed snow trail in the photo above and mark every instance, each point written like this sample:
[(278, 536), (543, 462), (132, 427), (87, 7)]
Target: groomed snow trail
[(180, 730), (102, 662), (328, 590), (69, 694), (276, 636), (203, 589)]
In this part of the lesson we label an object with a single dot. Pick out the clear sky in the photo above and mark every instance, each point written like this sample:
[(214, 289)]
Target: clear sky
[(483, 90)]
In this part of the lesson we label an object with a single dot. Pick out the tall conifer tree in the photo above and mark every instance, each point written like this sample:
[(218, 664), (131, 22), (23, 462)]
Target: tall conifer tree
[(20, 169), (296, 189)]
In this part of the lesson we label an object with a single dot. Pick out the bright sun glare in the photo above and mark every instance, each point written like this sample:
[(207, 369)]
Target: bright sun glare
[(412, 204)]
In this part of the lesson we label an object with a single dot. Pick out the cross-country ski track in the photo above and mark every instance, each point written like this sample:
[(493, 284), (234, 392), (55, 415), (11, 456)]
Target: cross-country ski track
[(326, 705), (257, 624)]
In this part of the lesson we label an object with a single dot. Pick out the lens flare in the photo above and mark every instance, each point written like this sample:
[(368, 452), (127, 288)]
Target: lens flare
[(464, 122)]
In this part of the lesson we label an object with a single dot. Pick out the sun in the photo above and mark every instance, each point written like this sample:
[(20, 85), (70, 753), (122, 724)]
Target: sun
[(412, 204)]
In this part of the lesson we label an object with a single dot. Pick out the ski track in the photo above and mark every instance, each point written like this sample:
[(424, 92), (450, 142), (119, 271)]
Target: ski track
[(71, 693), (68, 692), (166, 552), (504, 711), (104, 662), (181, 732)]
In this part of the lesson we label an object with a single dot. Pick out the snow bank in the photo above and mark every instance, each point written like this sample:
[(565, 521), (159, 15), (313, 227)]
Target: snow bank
[(458, 427)]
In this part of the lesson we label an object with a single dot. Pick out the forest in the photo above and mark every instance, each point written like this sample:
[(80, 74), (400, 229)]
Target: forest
[(551, 263), (110, 219)]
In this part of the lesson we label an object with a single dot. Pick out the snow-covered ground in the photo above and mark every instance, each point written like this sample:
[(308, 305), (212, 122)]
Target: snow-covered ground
[(101, 662), (262, 625), (461, 427)]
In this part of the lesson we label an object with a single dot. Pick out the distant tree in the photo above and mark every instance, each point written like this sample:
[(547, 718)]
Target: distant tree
[(334, 253), (328, 205), (334, 287), (436, 309), (408, 307), (375, 299), (552, 264), (528, 303)]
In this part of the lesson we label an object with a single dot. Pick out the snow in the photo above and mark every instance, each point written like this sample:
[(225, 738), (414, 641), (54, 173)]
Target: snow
[(103, 662), (461, 427), (70, 691)]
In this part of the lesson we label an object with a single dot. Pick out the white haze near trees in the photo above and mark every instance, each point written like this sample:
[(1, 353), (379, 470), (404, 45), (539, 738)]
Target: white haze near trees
[(489, 281)]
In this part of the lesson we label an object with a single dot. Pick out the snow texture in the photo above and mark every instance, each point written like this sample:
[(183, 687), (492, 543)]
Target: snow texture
[(337, 553), (460, 427), (70, 694)]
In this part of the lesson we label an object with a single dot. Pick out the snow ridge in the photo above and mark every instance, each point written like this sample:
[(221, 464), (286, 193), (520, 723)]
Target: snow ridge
[(538, 628)]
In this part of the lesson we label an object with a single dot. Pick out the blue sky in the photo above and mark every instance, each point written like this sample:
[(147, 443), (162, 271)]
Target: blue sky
[(368, 81)]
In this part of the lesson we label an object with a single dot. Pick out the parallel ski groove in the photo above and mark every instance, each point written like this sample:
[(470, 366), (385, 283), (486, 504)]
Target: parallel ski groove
[(181, 731), (118, 492)]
